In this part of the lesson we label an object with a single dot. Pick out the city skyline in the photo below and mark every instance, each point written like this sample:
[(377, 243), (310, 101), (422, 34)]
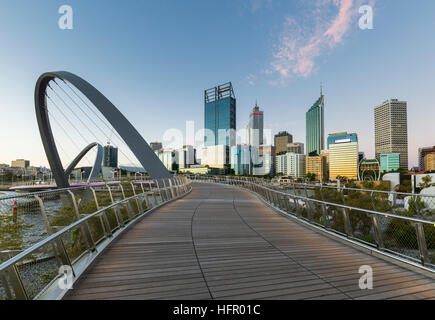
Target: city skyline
[(284, 97)]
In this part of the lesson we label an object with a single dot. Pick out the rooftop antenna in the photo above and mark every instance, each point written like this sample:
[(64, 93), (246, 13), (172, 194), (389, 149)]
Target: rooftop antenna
[(321, 89)]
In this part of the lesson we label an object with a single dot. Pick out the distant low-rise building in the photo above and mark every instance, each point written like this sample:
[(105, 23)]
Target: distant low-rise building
[(390, 162), (20, 163)]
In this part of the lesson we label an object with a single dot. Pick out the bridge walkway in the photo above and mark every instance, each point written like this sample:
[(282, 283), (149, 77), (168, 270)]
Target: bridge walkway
[(224, 243)]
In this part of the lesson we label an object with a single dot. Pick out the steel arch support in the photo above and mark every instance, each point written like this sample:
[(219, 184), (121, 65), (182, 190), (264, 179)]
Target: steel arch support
[(137, 144)]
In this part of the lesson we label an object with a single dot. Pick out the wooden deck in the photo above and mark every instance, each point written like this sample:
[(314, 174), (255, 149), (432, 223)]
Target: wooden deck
[(224, 243)]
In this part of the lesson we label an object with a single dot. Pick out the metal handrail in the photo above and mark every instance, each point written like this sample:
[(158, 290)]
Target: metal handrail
[(385, 214), (75, 224), (281, 201), (168, 192), (343, 188), (30, 194)]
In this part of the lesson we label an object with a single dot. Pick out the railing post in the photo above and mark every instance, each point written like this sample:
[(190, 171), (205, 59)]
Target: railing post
[(103, 218), (13, 274), (118, 217), (85, 228), (58, 247), (129, 209), (325, 216), (138, 203), (422, 247), (346, 221), (377, 232)]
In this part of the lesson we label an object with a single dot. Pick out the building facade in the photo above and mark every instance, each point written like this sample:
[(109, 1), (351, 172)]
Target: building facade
[(220, 116), (265, 164), (156, 146), (422, 153), (390, 162), (216, 157), (391, 130), (255, 127), (291, 165), (429, 162), (186, 157), (282, 140), (241, 159), (343, 158), (110, 156), (315, 135), (296, 147), (20, 163), (318, 166)]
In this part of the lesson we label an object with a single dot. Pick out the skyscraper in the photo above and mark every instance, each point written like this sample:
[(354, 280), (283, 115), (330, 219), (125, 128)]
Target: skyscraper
[(255, 127), (220, 116), (282, 140), (391, 130), (315, 127), (343, 156), (110, 156)]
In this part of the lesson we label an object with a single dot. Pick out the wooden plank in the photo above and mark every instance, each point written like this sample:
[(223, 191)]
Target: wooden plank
[(226, 242)]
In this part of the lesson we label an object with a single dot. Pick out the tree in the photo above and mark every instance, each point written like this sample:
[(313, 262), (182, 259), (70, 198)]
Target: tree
[(311, 177), (426, 182)]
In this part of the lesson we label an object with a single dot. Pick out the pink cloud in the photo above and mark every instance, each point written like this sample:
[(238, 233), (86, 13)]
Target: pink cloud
[(317, 32)]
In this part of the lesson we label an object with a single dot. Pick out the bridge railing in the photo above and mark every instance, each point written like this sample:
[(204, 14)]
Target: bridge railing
[(79, 223), (399, 203), (409, 238)]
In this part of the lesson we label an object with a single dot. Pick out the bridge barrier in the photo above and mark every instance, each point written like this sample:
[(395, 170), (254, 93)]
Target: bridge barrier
[(78, 223), (406, 237)]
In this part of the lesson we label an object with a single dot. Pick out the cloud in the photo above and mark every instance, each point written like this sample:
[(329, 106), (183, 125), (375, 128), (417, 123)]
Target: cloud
[(319, 28)]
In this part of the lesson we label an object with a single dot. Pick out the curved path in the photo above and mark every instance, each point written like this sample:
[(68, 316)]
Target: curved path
[(224, 243)]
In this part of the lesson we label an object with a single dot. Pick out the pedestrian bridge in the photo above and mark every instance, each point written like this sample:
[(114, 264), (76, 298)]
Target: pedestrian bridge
[(222, 242)]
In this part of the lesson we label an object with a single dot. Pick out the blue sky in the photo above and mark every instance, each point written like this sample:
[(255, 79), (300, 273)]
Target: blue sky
[(153, 59)]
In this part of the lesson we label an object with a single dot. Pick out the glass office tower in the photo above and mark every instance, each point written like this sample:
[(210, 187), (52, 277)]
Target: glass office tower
[(110, 156), (315, 127), (220, 116)]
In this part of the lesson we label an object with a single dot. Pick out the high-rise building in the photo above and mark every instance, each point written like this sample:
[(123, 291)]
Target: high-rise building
[(155, 146), (422, 153), (291, 165), (296, 147), (186, 157), (282, 140), (343, 157), (265, 163), (334, 137), (169, 158), (217, 157), (110, 156), (315, 127), (429, 162), (255, 127), (20, 163), (391, 130), (318, 166), (241, 159), (390, 162), (220, 116)]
